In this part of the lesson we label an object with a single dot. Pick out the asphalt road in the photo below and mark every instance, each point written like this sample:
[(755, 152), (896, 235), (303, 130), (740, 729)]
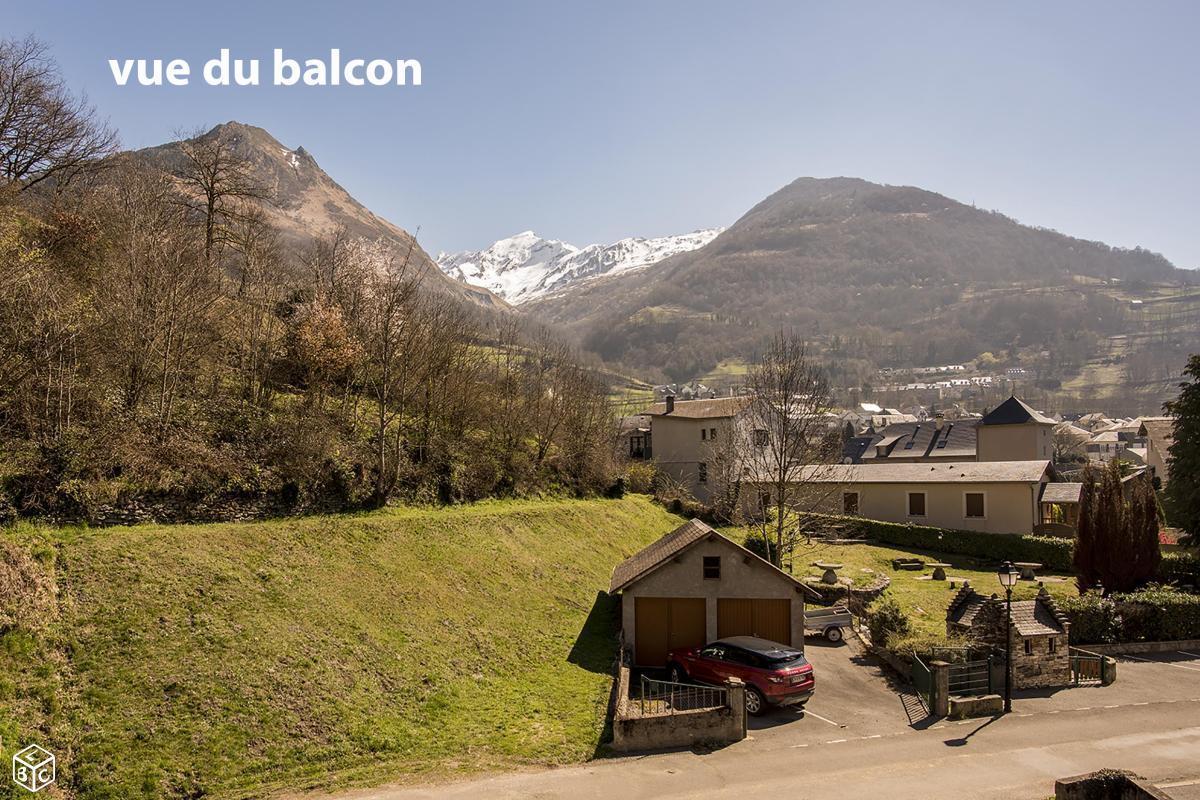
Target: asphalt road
[(861, 737)]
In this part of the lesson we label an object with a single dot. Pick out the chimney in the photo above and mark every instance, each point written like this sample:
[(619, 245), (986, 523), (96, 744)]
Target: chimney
[(670, 403)]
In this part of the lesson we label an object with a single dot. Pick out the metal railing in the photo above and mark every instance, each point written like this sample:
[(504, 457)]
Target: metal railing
[(663, 697)]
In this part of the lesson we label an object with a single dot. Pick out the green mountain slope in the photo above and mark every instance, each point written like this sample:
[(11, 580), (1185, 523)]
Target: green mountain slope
[(227, 660), (902, 276)]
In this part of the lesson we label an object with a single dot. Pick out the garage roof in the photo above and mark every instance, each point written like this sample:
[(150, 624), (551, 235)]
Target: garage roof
[(650, 558)]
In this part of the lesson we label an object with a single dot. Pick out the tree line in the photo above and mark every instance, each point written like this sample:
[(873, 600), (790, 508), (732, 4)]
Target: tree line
[(158, 340)]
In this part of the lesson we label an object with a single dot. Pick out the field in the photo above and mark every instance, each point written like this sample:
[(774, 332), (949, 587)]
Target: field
[(925, 601), (236, 659)]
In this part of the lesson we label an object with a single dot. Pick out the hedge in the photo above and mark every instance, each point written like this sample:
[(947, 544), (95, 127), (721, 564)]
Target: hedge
[(1052, 552), (1180, 567), (1155, 614)]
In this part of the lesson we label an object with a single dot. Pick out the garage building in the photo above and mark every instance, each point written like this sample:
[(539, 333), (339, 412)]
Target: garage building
[(693, 586)]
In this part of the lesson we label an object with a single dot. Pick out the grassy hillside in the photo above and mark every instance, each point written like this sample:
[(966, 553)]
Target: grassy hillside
[(225, 660)]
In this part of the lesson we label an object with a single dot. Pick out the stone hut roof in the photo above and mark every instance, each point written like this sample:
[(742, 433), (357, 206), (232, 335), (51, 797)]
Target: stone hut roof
[(1037, 617)]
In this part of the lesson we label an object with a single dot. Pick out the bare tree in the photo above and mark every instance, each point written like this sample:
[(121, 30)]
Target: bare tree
[(784, 443), (45, 131), (220, 185)]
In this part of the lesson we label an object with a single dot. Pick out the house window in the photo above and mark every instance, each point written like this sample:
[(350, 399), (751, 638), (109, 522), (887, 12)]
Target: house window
[(760, 437), (1029, 647), (703, 472), (764, 500), (703, 434), (916, 504), (712, 434), (850, 503), (712, 567), (1053, 645), (974, 505)]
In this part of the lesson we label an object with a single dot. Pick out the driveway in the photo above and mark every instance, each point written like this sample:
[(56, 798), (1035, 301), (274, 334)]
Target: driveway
[(1149, 721)]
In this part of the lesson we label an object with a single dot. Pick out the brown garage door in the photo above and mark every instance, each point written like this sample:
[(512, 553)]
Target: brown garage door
[(665, 623), (765, 618)]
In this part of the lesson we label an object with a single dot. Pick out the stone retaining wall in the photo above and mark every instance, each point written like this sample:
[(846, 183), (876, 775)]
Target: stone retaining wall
[(703, 727)]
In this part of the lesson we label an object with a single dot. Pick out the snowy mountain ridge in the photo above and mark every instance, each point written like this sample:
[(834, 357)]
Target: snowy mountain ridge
[(526, 266)]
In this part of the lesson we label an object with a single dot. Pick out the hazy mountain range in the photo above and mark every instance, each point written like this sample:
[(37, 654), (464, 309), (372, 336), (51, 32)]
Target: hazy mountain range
[(874, 275), (526, 266)]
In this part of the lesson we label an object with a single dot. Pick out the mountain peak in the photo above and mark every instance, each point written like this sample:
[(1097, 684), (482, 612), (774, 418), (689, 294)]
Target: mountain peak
[(526, 266)]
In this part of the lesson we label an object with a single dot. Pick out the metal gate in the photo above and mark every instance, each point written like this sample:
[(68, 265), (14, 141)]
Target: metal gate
[(922, 680), (971, 678), (1086, 667)]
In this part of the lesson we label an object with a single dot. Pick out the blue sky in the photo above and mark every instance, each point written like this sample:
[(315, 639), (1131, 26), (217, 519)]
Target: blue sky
[(590, 121)]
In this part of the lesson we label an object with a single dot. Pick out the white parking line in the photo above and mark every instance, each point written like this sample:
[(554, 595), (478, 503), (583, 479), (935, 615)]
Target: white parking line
[(1186, 653), (1164, 663), (808, 713), (835, 741)]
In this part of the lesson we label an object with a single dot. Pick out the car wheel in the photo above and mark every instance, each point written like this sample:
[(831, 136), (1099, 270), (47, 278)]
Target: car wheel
[(833, 634), (756, 704), (676, 674)]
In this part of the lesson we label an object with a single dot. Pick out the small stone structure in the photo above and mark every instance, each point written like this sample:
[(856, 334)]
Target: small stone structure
[(1038, 636), (637, 732), (1107, 784)]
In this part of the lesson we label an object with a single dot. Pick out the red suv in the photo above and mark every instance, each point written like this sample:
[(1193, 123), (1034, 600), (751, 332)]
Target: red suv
[(774, 674)]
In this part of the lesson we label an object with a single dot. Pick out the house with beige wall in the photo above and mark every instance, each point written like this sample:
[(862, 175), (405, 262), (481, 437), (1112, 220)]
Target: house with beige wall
[(1013, 431), (688, 436), (1159, 433), (993, 497), (694, 586)]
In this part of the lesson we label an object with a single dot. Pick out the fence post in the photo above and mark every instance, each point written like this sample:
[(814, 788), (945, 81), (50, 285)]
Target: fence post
[(939, 692), (737, 702)]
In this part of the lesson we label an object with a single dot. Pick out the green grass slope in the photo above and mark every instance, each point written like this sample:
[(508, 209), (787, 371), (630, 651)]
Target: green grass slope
[(236, 660)]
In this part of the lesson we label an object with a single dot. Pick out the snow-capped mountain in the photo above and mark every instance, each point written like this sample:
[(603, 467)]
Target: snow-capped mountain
[(523, 267)]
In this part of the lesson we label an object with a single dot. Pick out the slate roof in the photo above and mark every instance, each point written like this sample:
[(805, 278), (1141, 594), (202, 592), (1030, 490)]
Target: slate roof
[(1014, 412), (1160, 430), (956, 439), (651, 557), (928, 472), (1062, 492), (1036, 617), (964, 613), (1033, 618), (701, 409)]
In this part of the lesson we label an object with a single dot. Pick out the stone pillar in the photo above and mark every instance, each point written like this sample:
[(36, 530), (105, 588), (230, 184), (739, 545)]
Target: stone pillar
[(1108, 670), (939, 699), (737, 703)]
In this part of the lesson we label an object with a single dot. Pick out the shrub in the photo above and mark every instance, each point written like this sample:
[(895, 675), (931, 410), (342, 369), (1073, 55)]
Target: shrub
[(886, 622), (1094, 619), (1054, 553), (760, 547), (1181, 568), (1158, 613), (640, 477)]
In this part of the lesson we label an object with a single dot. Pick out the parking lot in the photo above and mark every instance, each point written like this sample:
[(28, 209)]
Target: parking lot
[(858, 699)]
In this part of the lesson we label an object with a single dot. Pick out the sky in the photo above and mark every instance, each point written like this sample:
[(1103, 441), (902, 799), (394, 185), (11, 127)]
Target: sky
[(593, 121)]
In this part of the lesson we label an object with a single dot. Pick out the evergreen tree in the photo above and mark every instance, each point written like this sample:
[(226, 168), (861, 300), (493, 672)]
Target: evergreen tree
[(1183, 461), (1145, 553), (1117, 540), (1085, 534)]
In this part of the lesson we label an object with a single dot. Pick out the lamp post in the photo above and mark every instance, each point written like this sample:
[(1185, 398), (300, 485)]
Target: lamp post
[(1008, 578)]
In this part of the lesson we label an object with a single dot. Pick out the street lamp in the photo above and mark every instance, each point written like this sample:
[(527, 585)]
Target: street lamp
[(1008, 579)]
